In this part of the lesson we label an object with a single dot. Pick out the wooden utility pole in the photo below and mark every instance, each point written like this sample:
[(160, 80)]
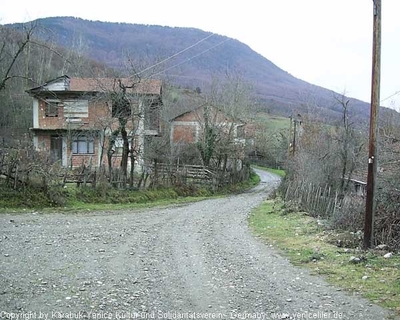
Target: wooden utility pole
[(294, 135), (373, 129), (290, 137)]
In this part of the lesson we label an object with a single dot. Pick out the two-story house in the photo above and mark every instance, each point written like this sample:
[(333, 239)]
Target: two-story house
[(75, 118)]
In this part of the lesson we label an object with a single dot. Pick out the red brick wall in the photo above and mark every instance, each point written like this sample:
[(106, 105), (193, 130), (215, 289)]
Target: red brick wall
[(80, 159), (99, 117), (198, 116), (86, 159), (43, 142), (97, 112), (184, 133), (190, 116), (77, 159)]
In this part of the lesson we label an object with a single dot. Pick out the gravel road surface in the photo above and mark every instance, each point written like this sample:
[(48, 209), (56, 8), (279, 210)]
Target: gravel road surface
[(194, 261)]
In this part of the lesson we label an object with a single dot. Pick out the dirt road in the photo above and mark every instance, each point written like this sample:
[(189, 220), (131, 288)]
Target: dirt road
[(194, 261)]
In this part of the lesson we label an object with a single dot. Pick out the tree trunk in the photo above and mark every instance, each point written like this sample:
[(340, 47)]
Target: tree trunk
[(110, 151), (125, 153)]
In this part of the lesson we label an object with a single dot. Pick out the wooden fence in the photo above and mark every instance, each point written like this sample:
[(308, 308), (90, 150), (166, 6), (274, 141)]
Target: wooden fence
[(178, 173), (26, 166), (320, 201)]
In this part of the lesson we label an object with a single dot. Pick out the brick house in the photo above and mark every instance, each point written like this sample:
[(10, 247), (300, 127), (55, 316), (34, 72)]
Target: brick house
[(74, 118), (189, 128)]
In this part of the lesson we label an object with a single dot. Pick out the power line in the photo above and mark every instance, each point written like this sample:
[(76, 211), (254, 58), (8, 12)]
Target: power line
[(394, 94), (176, 54), (191, 58)]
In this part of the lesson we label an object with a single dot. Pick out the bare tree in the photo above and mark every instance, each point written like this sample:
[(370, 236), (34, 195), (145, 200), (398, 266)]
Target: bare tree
[(11, 51), (221, 140), (350, 145)]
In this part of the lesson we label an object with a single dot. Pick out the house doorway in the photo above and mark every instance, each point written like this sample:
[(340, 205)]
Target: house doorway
[(56, 148)]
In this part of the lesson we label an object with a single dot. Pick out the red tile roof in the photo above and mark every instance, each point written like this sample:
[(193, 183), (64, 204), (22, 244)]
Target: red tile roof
[(146, 86)]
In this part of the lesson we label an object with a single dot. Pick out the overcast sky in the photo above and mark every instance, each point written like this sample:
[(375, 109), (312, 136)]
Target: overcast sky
[(324, 42)]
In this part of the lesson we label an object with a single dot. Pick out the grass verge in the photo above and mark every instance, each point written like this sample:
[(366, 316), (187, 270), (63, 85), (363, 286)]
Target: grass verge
[(305, 242), (278, 172), (253, 180), (73, 199)]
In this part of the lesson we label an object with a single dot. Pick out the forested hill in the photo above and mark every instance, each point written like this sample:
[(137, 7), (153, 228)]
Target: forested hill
[(144, 45)]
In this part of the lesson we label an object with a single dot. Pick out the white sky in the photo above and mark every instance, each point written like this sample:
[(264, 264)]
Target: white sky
[(324, 42)]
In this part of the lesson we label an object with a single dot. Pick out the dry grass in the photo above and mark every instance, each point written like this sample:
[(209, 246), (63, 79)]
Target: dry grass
[(305, 242)]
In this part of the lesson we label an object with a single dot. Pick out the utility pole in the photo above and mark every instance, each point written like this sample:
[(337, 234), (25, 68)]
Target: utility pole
[(294, 135), (290, 137), (373, 127)]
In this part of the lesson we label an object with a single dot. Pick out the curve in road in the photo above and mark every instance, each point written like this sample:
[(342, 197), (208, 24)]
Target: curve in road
[(197, 260)]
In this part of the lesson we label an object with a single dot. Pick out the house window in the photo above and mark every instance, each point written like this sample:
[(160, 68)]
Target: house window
[(152, 117), (83, 145), (240, 132), (51, 109), (76, 109)]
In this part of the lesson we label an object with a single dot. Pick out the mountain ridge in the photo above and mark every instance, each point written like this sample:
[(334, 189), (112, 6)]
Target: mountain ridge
[(113, 43)]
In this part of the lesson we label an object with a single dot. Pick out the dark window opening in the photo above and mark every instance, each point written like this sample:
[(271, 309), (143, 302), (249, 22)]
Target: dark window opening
[(55, 148), (240, 132), (152, 117), (51, 109)]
